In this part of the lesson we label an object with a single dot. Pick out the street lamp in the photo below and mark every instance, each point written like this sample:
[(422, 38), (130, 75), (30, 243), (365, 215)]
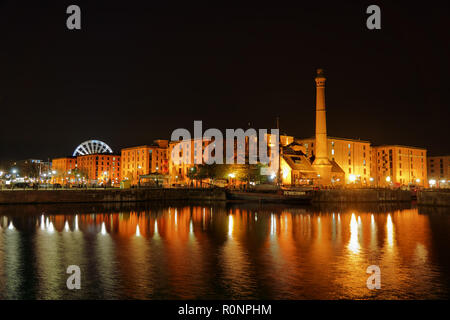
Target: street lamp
[(388, 179), (231, 176)]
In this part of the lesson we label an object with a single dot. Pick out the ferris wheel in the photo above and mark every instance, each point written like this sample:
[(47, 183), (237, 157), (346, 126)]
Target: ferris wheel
[(91, 147)]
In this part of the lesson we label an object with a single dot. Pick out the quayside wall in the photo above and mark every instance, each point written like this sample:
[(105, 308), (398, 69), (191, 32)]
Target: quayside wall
[(434, 198), (116, 195), (361, 195), (170, 194)]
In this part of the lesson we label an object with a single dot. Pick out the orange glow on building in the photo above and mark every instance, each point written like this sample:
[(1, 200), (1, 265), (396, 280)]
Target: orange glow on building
[(99, 168), (439, 171), (399, 165), (143, 160), (352, 155), (62, 166), (189, 150)]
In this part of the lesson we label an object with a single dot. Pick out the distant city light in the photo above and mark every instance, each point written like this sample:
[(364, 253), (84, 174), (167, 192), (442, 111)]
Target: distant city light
[(352, 178), (388, 179)]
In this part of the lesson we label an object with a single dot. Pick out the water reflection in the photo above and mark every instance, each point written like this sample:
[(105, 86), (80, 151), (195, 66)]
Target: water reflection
[(223, 251), (353, 244)]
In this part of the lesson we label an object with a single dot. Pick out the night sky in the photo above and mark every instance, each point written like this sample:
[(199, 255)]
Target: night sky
[(138, 70)]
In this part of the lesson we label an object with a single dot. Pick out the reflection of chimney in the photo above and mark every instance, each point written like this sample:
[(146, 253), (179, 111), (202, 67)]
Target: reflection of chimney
[(321, 162)]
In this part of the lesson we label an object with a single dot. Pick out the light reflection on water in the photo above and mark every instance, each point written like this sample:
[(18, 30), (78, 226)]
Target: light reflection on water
[(223, 252)]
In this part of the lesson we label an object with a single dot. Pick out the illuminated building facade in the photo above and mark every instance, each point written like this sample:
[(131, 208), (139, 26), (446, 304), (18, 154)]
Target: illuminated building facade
[(99, 168), (295, 167), (352, 155), (188, 151), (64, 164), (399, 165), (62, 168), (143, 160), (439, 171)]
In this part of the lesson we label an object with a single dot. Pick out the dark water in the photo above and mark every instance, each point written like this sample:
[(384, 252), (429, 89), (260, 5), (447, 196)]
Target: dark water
[(183, 251)]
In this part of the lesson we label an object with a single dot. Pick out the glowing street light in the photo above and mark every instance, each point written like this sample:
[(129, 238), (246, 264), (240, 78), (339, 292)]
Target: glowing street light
[(432, 182), (232, 175), (388, 179), (418, 180), (352, 178)]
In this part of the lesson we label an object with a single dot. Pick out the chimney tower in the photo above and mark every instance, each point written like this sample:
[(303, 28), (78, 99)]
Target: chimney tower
[(321, 162)]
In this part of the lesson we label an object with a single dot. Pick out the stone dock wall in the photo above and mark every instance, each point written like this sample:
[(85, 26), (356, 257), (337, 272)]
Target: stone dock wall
[(116, 195), (170, 194), (434, 198), (361, 195)]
